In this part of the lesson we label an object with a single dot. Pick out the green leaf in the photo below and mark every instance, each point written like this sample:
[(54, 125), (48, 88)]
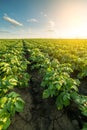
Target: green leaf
[(46, 94), (58, 87), (19, 106), (13, 94), (74, 87), (84, 126), (66, 102), (59, 102), (6, 124), (8, 105), (13, 81)]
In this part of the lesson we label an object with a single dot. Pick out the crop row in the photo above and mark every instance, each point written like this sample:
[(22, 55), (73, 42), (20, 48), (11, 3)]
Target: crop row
[(13, 74), (71, 51)]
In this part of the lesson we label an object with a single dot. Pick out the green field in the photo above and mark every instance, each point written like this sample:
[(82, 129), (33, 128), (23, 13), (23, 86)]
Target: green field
[(61, 65)]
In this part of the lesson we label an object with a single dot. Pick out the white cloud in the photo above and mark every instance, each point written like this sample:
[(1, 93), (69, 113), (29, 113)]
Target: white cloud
[(32, 20), (51, 26), (42, 13), (51, 30), (12, 21), (45, 15), (4, 31)]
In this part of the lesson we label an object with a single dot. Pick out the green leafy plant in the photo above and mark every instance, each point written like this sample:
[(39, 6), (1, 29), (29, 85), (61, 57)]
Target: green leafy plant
[(9, 104), (84, 126), (13, 73), (57, 82)]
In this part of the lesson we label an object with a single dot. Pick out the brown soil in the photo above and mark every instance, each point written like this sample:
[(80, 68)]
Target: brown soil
[(42, 114)]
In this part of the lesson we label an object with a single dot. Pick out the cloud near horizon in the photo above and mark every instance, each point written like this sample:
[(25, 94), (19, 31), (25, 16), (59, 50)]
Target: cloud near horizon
[(32, 20), (12, 21), (51, 26), (3, 31), (44, 14)]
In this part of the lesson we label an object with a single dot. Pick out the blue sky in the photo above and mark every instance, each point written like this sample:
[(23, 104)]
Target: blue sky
[(43, 18)]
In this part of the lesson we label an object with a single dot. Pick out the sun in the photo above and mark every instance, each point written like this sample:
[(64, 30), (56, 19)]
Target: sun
[(72, 20)]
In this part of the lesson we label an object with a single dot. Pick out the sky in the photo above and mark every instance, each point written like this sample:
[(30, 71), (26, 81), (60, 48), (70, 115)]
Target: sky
[(43, 18)]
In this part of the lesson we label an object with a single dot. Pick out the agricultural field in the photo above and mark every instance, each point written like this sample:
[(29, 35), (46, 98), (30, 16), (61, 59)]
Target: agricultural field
[(43, 84)]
